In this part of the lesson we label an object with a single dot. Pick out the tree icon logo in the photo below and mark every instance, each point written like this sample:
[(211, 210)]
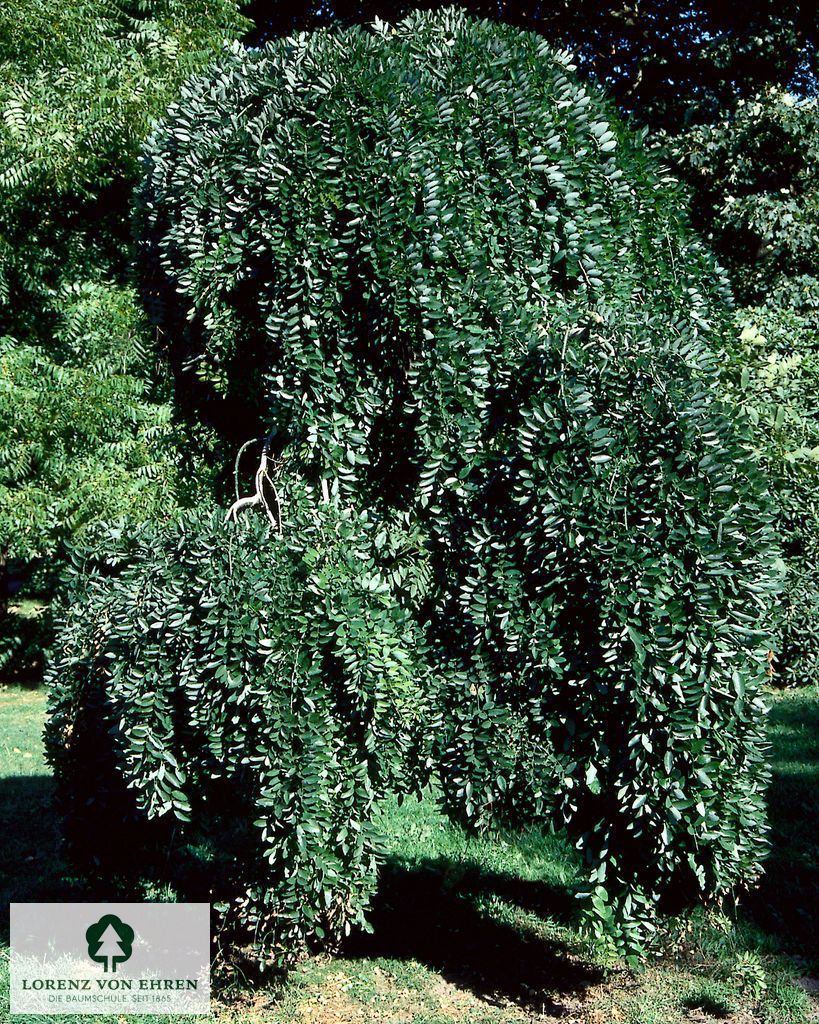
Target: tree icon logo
[(110, 942)]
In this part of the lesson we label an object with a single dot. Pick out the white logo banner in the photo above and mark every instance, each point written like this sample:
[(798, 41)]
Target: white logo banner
[(110, 958)]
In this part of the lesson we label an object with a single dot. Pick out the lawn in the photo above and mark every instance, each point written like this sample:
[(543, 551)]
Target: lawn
[(482, 931)]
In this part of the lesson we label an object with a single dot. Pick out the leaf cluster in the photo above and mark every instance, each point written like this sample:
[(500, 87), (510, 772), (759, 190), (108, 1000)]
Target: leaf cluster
[(259, 691)]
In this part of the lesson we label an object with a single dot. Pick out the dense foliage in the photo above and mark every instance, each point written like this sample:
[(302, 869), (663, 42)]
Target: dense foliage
[(739, 74), (84, 416), (754, 193), (259, 691), (77, 98), (450, 283), (79, 438), (775, 377), (755, 198), (80, 86)]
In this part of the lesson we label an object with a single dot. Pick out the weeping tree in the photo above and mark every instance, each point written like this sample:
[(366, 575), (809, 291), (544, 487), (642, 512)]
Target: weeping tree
[(453, 292), (727, 92)]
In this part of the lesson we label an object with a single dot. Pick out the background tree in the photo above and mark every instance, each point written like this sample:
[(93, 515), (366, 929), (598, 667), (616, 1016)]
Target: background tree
[(754, 186), (86, 425)]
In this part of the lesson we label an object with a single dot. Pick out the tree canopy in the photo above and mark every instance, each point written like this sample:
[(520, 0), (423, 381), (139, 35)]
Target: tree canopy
[(448, 283)]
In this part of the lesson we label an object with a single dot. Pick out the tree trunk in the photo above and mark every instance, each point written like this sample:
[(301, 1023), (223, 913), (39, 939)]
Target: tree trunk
[(4, 583)]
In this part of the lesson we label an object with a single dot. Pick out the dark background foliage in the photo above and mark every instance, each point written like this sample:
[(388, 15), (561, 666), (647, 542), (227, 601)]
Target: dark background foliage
[(668, 63)]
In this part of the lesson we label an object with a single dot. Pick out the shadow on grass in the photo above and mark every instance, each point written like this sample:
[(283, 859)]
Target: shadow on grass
[(428, 913), (786, 904), (431, 914), (30, 868)]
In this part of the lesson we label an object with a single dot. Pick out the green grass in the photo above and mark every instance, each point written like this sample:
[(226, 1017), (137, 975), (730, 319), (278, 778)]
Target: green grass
[(483, 931)]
